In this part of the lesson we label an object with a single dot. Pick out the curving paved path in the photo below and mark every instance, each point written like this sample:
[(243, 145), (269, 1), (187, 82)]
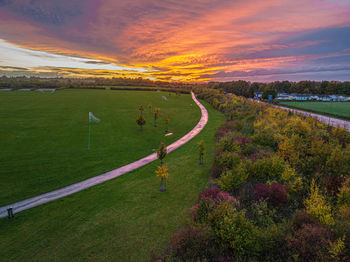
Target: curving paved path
[(325, 119), (68, 190)]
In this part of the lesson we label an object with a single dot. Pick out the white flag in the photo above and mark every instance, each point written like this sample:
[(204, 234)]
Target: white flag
[(93, 119)]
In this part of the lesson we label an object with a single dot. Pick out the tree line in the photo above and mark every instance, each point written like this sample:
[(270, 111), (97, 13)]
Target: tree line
[(59, 82), (240, 87), (247, 89)]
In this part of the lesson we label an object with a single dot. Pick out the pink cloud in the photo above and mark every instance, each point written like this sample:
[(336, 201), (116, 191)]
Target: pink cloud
[(173, 35)]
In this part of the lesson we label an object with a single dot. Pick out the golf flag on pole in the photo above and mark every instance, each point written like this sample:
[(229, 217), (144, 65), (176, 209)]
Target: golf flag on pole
[(92, 119)]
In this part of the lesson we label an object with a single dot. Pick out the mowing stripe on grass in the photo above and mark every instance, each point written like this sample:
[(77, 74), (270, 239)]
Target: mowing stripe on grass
[(68, 190)]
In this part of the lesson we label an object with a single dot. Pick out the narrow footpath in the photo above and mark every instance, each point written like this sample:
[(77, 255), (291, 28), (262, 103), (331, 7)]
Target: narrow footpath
[(68, 190)]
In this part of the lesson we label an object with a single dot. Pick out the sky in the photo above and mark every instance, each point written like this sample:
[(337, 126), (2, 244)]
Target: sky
[(177, 40)]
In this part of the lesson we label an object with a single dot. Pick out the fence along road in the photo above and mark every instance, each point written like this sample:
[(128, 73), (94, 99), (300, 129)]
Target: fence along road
[(68, 190)]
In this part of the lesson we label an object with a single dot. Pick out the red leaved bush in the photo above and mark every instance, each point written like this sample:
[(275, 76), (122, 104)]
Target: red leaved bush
[(210, 193), (259, 154), (302, 218), (311, 243), (333, 184), (243, 141), (216, 195), (262, 191), (207, 200), (276, 194), (222, 132)]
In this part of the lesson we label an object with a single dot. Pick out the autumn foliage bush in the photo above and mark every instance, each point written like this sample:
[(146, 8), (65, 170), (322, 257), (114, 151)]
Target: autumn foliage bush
[(207, 200), (276, 194), (284, 189), (192, 243), (310, 243), (301, 219)]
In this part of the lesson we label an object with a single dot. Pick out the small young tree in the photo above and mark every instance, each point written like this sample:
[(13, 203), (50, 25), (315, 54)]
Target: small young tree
[(141, 121), (162, 172), (150, 107), (201, 150), (141, 109), (166, 121), (161, 152), (156, 115)]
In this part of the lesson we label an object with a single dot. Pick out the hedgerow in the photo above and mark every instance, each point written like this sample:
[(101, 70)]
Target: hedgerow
[(284, 182)]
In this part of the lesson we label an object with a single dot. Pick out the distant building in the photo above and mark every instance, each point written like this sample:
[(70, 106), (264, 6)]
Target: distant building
[(310, 97), (258, 95)]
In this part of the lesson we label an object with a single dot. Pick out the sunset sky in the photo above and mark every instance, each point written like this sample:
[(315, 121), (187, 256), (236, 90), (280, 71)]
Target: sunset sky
[(177, 40)]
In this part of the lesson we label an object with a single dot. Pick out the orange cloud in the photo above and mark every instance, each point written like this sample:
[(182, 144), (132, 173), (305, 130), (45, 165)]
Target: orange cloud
[(181, 40)]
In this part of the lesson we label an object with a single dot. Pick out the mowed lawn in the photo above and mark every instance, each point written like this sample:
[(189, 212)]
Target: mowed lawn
[(44, 136), (338, 108), (120, 220)]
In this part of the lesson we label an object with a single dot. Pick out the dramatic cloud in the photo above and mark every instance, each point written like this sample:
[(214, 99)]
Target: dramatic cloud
[(17, 56), (197, 40)]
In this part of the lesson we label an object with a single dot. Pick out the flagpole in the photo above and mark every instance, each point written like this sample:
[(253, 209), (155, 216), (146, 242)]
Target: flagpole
[(89, 133)]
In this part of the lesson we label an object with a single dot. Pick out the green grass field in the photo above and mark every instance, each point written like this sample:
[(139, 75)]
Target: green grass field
[(337, 108), (120, 220), (44, 137)]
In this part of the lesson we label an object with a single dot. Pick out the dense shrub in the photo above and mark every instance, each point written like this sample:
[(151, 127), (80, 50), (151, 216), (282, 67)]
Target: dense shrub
[(343, 218), (267, 158), (233, 230), (227, 160), (265, 139), (193, 243), (342, 135), (232, 180), (216, 195), (302, 218), (267, 168), (261, 214), (332, 184), (317, 206), (207, 201), (227, 143), (344, 194), (292, 180), (222, 132), (245, 193), (208, 194), (257, 154), (272, 242), (201, 211), (245, 145), (335, 164), (310, 243), (229, 126), (276, 194), (262, 191)]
